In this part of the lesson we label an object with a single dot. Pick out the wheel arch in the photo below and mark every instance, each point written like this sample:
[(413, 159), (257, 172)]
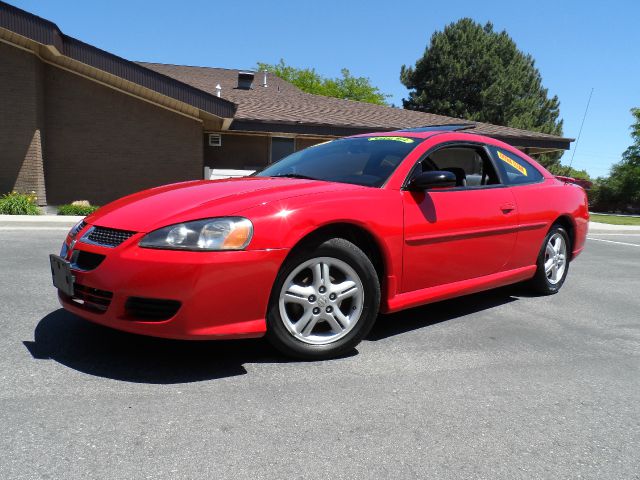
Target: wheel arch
[(568, 223), (360, 236)]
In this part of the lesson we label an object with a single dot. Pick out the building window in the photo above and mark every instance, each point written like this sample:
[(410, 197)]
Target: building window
[(281, 147)]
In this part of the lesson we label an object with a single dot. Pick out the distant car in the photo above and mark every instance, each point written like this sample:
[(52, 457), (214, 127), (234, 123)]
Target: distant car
[(311, 248)]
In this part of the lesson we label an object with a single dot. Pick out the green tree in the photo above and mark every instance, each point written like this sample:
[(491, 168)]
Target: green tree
[(569, 172), (620, 191), (346, 86), (472, 72)]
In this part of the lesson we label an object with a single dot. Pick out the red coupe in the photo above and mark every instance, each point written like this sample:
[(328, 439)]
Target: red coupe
[(310, 249)]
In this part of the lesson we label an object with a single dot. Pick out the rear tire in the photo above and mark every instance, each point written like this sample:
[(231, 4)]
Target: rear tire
[(553, 262), (324, 301)]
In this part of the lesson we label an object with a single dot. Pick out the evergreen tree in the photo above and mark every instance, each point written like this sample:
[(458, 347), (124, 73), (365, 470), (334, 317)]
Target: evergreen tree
[(472, 72)]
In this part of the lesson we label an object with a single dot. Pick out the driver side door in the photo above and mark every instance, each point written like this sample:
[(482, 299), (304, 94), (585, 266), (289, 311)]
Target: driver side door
[(456, 234)]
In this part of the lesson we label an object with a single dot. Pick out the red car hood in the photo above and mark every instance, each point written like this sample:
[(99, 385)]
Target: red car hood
[(179, 202)]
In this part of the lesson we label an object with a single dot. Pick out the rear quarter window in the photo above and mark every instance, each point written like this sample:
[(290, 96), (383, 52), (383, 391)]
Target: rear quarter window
[(515, 169)]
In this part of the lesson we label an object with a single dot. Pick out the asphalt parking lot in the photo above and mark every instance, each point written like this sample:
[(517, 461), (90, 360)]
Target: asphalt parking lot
[(494, 385)]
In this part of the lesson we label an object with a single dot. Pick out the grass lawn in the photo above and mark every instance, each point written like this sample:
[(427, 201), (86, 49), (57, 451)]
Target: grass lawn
[(613, 220)]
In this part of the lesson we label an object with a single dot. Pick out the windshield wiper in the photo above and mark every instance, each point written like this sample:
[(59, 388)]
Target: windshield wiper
[(295, 175)]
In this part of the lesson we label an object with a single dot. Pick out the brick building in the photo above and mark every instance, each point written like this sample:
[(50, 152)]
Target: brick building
[(77, 122)]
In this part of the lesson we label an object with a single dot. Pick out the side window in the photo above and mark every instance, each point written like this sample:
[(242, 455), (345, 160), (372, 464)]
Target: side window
[(515, 168), (470, 165)]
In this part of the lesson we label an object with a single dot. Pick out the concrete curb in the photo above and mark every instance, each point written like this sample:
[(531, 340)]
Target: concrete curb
[(606, 229), (37, 222), (595, 227), (40, 219)]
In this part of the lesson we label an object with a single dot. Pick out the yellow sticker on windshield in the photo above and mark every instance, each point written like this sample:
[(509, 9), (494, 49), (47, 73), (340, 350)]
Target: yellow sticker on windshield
[(512, 162), (394, 139)]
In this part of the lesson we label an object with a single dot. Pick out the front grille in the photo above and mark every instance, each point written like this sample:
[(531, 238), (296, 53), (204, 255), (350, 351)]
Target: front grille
[(107, 237), (91, 299), (151, 309), (86, 260)]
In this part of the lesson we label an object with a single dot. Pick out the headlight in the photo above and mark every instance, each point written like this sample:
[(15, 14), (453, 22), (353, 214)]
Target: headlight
[(76, 228), (228, 233)]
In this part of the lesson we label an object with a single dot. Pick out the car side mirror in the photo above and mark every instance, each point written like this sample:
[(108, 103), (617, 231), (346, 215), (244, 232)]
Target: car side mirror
[(431, 180)]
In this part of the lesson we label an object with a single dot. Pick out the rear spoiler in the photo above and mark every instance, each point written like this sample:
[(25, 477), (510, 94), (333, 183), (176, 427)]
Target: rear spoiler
[(586, 184)]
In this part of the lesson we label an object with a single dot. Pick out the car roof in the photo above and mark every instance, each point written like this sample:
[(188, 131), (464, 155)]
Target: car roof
[(458, 132)]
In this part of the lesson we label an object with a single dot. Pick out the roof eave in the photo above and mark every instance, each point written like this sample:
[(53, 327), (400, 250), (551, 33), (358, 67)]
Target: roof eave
[(46, 40), (252, 125), (553, 143)]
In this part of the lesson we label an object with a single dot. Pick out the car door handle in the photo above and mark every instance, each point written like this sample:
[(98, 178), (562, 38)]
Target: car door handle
[(507, 207)]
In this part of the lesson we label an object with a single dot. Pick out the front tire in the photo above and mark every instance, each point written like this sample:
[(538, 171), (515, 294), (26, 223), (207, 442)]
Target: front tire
[(324, 301), (553, 262)]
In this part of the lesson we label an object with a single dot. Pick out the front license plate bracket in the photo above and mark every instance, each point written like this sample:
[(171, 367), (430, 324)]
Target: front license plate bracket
[(61, 274)]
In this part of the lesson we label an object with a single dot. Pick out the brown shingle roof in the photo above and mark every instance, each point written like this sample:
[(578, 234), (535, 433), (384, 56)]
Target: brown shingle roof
[(283, 103)]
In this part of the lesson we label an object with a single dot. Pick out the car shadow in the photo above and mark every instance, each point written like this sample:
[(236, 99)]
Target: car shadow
[(100, 351), (96, 350), (434, 313)]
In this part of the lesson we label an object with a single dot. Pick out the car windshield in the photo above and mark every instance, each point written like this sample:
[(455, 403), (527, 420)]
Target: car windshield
[(367, 161)]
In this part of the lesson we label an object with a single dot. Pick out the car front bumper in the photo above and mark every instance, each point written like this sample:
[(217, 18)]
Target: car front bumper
[(222, 295)]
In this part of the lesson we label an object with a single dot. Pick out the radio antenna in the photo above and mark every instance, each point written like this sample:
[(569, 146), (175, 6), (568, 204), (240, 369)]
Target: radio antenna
[(579, 133)]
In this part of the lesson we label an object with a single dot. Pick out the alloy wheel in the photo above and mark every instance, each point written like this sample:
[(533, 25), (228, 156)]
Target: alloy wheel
[(555, 258), (321, 300)]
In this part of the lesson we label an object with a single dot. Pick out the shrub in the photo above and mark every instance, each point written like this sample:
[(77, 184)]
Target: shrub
[(15, 203), (77, 208)]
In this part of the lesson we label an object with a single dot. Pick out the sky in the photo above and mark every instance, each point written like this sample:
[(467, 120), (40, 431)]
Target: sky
[(577, 45)]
